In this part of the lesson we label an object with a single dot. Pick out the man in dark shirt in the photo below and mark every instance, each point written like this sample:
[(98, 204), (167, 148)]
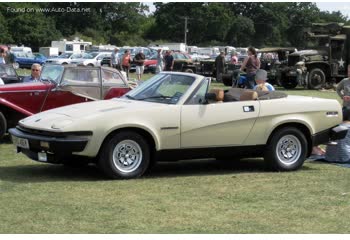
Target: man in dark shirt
[(139, 60), (220, 66), (169, 61)]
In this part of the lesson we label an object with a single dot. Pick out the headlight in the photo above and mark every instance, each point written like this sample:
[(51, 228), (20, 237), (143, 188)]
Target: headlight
[(61, 124)]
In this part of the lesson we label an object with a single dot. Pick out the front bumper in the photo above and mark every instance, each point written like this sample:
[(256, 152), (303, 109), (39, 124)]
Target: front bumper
[(332, 134), (55, 147)]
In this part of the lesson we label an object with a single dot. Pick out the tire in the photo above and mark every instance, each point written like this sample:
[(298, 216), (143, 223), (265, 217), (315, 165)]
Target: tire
[(115, 160), (3, 125), (90, 65), (316, 79), (289, 83), (188, 70), (286, 150)]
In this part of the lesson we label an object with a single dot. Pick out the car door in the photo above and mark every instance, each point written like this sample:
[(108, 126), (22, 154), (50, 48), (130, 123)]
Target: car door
[(78, 84), (216, 124)]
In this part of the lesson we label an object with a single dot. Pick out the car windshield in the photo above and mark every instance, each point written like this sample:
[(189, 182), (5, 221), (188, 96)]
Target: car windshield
[(162, 88), (6, 71), (51, 73), (65, 55)]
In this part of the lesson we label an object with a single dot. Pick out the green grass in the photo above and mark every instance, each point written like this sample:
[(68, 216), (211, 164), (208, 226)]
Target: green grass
[(182, 197)]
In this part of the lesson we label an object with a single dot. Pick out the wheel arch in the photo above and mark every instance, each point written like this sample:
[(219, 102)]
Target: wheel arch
[(325, 67), (12, 113), (300, 126), (146, 134)]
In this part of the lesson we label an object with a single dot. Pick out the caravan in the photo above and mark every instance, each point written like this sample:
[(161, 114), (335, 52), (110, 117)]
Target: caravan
[(75, 46)]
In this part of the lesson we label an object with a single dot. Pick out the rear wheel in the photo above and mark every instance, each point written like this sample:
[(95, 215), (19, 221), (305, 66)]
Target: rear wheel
[(188, 70), (316, 79), (286, 150), (125, 155)]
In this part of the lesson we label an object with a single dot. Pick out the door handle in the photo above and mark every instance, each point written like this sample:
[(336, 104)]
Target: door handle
[(248, 109)]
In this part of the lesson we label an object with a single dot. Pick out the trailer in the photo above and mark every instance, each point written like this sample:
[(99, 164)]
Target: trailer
[(49, 51), (75, 46)]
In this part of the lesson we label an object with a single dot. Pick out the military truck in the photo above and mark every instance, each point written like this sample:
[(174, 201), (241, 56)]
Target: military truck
[(325, 63)]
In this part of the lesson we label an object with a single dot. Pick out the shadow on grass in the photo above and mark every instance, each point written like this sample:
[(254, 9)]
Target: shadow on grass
[(6, 139), (51, 173), (208, 167)]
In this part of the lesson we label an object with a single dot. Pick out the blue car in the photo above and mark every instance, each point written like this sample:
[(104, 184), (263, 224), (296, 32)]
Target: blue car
[(25, 60)]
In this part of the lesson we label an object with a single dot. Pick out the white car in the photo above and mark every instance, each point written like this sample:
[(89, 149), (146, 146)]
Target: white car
[(66, 58), (92, 59), (172, 116)]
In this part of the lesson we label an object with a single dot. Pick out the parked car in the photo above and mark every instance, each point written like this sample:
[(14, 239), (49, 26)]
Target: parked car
[(171, 117), (8, 74), (26, 60), (60, 85), (92, 59), (66, 58)]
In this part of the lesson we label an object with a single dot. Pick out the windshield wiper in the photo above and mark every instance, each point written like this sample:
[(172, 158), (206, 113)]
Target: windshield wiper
[(130, 97), (156, 97)]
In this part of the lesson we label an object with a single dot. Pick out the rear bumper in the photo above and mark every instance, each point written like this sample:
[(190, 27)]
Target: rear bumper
[(332, 134), (56, 148)]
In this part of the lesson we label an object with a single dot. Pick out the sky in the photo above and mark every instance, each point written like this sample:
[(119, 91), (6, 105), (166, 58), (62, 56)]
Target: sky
[(343, 7)]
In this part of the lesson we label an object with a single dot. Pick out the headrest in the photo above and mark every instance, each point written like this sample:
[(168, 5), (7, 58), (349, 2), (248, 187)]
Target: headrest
[(248, 95)]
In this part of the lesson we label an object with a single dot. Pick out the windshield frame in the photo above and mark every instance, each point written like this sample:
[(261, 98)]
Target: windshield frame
[(145, 92)]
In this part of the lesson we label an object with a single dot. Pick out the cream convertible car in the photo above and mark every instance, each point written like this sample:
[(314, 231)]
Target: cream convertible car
[(171, 117)]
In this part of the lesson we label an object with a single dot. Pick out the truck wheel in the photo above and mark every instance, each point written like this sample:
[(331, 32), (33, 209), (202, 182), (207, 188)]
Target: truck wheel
[(289, 83), (286, 150), (188, 70), (3, 125), (126, 155), (316, 79)]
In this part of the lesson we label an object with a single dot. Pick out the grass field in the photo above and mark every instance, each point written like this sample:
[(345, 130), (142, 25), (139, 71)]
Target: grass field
[(182, 197)]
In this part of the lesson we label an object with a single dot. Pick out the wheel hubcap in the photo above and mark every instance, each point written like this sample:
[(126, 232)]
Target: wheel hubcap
[(288, 149), (127, 156)]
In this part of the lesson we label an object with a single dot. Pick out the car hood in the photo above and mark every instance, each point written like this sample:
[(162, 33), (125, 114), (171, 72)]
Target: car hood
[(58, 117), (308, 53)]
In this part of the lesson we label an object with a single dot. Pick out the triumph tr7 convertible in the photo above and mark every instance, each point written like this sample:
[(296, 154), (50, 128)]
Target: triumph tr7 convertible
[(175, 116)]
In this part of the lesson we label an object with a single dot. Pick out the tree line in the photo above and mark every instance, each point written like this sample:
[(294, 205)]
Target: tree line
[(259, 24)]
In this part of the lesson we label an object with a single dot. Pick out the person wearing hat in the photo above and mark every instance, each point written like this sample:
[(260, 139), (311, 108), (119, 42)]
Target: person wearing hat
[(260, 79), (115, 62)]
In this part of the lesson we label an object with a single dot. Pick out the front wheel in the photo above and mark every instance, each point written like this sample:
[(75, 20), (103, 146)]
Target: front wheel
[(126, 155), (3, 125), (317, 79), (286, 150)]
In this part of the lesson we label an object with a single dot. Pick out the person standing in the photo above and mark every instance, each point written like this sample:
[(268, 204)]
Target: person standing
[(169, 61), (234, 58), (35, 73), (220, 66), (2, 56), (115, 63), (139, 59), (10, 58), (126, 60), (343, 90), (251, 64), (159, 66)]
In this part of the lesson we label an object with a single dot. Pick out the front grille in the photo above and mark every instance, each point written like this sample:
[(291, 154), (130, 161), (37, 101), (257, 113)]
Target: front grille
[(53, 134)]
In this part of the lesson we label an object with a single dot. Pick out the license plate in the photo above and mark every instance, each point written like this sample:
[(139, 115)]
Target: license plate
[(20, 142), (42, 157)]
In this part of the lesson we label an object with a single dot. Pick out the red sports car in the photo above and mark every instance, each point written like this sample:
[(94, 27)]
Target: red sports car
[(59, 85)]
